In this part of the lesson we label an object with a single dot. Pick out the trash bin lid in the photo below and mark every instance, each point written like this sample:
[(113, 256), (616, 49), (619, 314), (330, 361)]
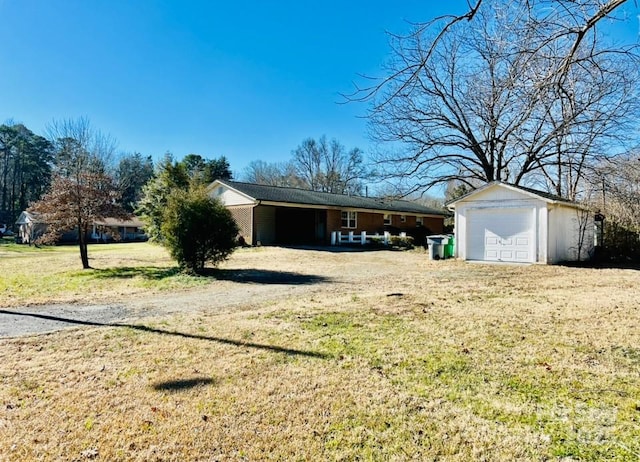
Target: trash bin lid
[(437, 239)]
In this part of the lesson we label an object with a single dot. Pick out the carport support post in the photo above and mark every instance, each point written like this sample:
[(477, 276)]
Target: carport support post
[(386, 238)]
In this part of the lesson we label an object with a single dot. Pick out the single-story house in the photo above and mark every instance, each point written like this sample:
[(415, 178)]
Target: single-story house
[(504, 222), (130, 230), (268, 215), (30, 227)]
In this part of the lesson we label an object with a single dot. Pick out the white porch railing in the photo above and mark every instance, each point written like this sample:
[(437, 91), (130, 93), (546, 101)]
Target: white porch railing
[(339, 238)]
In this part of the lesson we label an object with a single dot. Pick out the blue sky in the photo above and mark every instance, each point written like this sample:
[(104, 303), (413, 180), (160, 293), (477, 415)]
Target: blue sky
[(246, 79)]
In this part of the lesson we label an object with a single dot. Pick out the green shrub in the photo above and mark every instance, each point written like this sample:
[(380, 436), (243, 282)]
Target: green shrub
[(402, 242), (621, 244), (197, 229)]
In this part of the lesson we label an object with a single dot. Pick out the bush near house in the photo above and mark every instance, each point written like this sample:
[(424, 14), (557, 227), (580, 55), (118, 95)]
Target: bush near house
[(197, 229)]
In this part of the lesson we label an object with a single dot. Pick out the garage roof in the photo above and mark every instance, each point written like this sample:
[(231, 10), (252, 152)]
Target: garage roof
[(539, 194), (285, 195)]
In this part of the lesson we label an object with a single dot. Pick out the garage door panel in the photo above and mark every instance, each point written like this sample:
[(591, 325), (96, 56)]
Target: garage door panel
[(505, 234), (506, 255)]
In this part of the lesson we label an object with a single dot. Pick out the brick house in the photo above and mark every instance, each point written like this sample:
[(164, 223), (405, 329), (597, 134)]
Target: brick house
[(272, 215)]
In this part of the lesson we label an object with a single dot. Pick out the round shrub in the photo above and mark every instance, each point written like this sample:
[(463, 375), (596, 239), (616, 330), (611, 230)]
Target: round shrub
[(197, 229)]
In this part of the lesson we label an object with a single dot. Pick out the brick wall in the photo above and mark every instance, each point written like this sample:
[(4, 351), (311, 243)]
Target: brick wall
[(243, 217)]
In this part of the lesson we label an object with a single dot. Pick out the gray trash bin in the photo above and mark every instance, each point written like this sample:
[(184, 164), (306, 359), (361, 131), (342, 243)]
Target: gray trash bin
[(436, 245)]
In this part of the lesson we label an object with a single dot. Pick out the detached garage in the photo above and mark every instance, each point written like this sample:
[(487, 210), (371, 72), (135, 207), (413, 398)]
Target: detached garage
[(503, 222)]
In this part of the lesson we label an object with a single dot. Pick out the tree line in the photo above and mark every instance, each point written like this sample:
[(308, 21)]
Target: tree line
[(29, 163)]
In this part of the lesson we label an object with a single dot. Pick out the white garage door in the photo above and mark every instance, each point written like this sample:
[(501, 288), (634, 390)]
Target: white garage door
[(501, 234)]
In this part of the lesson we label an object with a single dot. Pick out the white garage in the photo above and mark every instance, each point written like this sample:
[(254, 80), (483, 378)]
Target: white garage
[(506, 223)]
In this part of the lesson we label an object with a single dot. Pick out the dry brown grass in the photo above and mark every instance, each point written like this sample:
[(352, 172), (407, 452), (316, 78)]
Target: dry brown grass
[(396, 358)]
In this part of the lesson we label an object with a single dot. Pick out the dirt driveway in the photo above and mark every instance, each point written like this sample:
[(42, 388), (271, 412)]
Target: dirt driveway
[(247, 280)]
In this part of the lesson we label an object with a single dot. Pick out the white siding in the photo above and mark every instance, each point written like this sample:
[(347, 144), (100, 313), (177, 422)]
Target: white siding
[(264, 225), (230, 197), (570, 235), (501, 194)]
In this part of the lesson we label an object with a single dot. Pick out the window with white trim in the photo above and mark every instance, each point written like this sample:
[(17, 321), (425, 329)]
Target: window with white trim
[(387, 218), (403, 218), (419, 221), (349, 219)]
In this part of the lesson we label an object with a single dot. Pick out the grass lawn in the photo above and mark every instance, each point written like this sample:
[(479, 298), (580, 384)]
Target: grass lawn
[(32, 275), (396, 358)]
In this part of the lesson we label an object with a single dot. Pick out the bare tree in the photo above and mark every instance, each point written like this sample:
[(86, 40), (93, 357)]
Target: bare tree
[(318, 165), (82, 191), (519, 91), (617, 185), (328, 166), (272, 174)]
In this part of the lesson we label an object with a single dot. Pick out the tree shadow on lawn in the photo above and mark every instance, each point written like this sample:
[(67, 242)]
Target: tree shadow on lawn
[(631, 265), (248, 276), (129, 272), (182, 384), (154, 330), (254, 276)]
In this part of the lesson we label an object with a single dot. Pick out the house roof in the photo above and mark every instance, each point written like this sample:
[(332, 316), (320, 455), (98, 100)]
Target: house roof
[(134, 222), (548, 197), (26, 217), (285, 195)]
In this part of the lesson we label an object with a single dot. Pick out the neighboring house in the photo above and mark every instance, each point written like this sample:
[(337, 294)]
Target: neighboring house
[(503, 222), (128, 230), (268, 215), (30, 227)]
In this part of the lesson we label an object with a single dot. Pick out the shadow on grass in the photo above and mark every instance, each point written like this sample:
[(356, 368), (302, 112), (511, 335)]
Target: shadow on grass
[(603, 265), (264, 276), (249, 276), (180, 385), (153, 330), (128, 272), (346, 248)]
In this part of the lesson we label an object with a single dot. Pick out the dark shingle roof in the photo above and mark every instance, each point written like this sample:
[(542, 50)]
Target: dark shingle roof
[(302, 196)]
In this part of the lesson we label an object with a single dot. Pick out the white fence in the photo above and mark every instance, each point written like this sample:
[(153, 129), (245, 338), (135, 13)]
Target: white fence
[(339, 238)]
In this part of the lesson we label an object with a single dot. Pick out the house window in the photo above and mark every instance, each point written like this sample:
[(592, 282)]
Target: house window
[(403, 218), (387, 218), (349, 219), (418, 221)]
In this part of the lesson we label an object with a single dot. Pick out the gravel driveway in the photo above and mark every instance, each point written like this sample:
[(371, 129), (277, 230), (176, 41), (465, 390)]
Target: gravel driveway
[(247, 280), (16, 322)]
